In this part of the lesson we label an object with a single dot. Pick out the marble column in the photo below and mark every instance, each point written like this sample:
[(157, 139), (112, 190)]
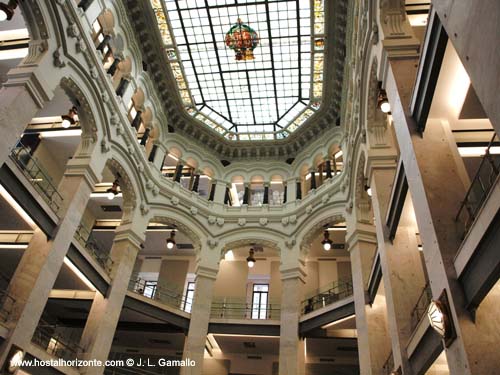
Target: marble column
[(99, 331), (402, 271), (371, 322), (42, 260), (437, 192), (194, 345), (291, 354)]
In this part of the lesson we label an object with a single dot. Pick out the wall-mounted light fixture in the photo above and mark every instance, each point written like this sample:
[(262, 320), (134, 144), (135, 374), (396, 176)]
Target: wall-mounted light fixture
[(171, 240), (113, 190), (70, 119), (327, 242), (368, 190), (7, 10), (250, 259), (440, 318), (382, 101)]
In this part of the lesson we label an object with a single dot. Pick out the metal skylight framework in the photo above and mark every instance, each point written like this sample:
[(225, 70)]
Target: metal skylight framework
[(265, 98)]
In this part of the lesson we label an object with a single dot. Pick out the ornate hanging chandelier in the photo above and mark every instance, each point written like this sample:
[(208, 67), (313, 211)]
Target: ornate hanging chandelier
[(243, 40)]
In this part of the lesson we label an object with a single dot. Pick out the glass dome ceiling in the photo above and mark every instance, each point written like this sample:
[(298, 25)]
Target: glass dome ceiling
[(265, 98)]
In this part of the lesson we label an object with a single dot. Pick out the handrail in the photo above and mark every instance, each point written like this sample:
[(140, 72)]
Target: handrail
[(6, 304), (421, 306), (479, 188), (327, 295), (160, 293), (54, 343), (37, 176), (238, 310), (94, 249)]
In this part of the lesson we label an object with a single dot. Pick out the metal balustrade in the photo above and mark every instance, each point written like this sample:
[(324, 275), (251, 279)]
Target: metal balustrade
[(479, 189), (54, 343), (82, 235), (163, 294), (230, 308), (37, 176), (327, 295), (420, 309)]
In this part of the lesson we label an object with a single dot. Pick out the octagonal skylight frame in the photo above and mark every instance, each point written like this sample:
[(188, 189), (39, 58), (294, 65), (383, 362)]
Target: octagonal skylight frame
[(178, 41)]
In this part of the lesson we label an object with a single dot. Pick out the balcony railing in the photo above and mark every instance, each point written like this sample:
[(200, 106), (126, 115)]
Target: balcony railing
[(421, 306), (37, 175), (163, 294), (93, 248), (54, 343), (239, 309), (327, 295), (479, 189), (6, 305)]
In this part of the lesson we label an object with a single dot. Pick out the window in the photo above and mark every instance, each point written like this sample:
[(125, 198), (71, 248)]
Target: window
[(259, 301), (188, 301)]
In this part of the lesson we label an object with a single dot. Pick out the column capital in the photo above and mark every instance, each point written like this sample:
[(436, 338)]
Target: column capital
[(294, 269), (126, 232), (360, 233)]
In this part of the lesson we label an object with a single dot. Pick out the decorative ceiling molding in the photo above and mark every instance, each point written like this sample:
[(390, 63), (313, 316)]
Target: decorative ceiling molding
[(142, 18)]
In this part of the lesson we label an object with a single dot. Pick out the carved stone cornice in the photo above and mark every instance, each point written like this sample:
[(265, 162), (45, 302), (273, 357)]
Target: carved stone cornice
[(142, 18)]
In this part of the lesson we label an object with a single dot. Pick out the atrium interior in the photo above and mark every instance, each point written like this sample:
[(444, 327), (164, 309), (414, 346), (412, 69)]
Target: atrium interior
[(249, 187)]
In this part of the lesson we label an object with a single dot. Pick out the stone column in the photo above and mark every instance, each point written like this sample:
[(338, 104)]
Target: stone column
[(291, 355), (312, 173), (97, 337), (328, 165), (371, 324), (266, 193), (42, 260), (21, 97), (196, 182), (220, 191), (437, 192), (178, 171), (206, 273), (402, 271), (291, 193), (246, 193)]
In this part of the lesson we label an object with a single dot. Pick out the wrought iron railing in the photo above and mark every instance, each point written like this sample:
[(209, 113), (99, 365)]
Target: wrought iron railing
[(229, 308), (37, 175), (421, 306), (54, 343), (93, 248), (168, 296), (388, 367), (327, 295), (479, 189), (6, 305)]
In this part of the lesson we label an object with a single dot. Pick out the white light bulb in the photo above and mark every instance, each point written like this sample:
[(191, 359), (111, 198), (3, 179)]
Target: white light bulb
[(251, 263), (327, 246), (385, 107), (111, 196), (3, 16), (369, 191), (170, 245), (66, 124)]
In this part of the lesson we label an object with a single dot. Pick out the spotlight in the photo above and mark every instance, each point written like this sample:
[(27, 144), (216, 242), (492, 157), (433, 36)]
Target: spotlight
[(327, 242), (368, 190), (15, 360), (171, 241), (70, 118), (7, 10), (113, 190), (383, 102), (440, 319), (251, 260)]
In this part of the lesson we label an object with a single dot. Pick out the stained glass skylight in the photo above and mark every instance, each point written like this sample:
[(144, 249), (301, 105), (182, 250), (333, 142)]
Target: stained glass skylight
[(267, 97)]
